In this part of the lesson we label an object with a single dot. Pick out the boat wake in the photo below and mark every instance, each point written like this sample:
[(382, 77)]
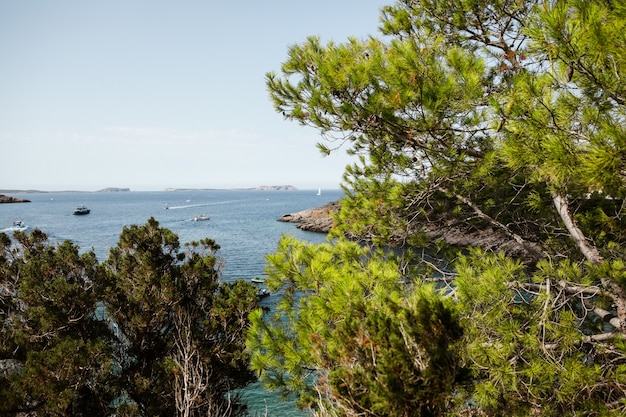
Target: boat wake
[(199, 205), (13, 229), (18, 225)]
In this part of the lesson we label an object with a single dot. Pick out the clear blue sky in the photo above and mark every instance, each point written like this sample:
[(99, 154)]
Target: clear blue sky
[(149, 94)]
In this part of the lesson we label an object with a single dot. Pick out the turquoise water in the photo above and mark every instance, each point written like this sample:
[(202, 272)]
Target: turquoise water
[(243, 223)]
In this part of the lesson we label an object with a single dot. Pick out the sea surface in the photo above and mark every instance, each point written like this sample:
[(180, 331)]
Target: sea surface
[(243, 222)]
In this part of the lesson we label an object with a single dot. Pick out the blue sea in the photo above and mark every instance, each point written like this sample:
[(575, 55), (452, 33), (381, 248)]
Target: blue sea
[(243, 222)]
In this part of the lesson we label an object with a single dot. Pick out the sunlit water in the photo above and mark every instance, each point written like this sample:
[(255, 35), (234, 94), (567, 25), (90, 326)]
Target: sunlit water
[(243, 223)]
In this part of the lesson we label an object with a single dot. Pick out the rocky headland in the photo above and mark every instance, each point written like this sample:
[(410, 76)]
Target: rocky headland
[(8, 199), (313, 220)]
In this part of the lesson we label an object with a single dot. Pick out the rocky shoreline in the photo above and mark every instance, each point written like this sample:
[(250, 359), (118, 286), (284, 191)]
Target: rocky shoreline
[(319, 220), (8, 199)]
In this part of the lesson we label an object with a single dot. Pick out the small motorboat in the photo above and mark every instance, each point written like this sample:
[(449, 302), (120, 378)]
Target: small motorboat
[(262, 293), (257, 280), (18, 225), (81, 210), (201, 217)]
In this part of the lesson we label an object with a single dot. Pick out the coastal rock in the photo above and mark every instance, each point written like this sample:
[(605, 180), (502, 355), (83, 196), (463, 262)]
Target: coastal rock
[(313, 220), (7, 199)]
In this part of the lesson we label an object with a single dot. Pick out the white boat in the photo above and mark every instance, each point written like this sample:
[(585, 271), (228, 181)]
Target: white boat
[(319, 191), (257, 280), (18, 225), (81, 210), (201, 217)]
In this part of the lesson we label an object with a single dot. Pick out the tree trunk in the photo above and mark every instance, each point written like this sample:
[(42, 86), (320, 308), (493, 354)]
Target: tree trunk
[(591, 253)]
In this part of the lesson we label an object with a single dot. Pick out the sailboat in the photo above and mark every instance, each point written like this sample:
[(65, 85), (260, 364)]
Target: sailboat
[(319, 191)]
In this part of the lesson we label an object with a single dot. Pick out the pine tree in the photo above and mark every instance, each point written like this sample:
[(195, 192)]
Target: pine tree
[(55, 359), (348, 337), (491, 123), (151, 331), (179, 329)]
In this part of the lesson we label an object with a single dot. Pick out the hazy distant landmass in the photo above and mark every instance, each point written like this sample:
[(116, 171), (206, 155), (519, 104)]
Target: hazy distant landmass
[(260, 188), (104, 190), (114, 190), (117, 189), (23, 191), (276, 187)]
